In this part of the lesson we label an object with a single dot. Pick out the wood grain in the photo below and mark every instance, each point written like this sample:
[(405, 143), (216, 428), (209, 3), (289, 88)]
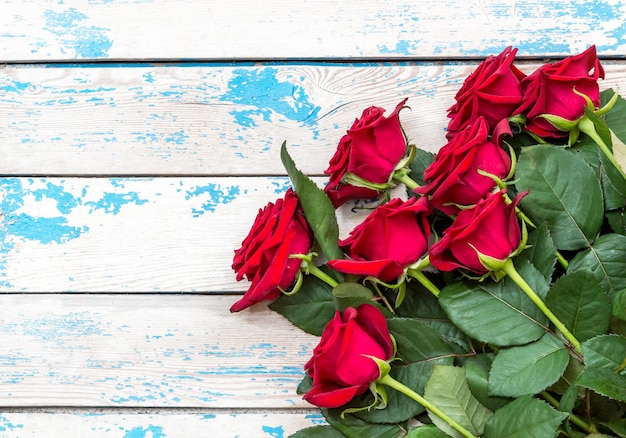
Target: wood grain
[(131, 234), (147, 350), (129, 423), (31, 30), (212, 119), (139, 138)]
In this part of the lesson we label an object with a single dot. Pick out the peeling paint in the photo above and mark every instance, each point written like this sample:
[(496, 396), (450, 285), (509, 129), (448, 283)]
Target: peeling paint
[(83, 41), (265, 97)]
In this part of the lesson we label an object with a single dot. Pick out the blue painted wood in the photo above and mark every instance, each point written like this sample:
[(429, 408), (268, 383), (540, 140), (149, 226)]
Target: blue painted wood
[(176, 146), (274, 29)]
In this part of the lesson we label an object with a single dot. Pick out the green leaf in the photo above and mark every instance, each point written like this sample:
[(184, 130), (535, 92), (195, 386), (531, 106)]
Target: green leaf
[(318, 210), (613, 184), (420, 163), (605, 366), (422, 305), (541, 251), (619, 305), (618, 426), (554, 178), (426, 431), (351, 295), (477, 372), (528, 369), (448, 390), (539, 420), (605, 260), (578, 301), (318, 431), (617, 220), (497, 313), (311, 308), (353, 427), (416, 341)]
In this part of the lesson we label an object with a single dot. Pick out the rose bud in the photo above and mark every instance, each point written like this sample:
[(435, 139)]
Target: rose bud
[(392, 237), (492, 91), (279, 231), (550, 90), (489, 229), (342, 366), (369, 153), (453, 178)]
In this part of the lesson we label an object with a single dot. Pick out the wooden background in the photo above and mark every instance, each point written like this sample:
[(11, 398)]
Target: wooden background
[(138, 139)]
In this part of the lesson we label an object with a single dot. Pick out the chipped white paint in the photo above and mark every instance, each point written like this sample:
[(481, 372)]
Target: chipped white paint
[(133, 181), (212, 119), (147, 351), (130, 234), (270, 424), (278, 29)]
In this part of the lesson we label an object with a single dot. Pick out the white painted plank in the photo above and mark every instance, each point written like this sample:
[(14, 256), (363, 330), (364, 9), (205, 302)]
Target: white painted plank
[(127, 424), (278, 29), (212, 119), (130, 234), (147, 350)]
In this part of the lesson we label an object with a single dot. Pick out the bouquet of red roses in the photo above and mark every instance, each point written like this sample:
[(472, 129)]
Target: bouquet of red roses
[(489, 297)]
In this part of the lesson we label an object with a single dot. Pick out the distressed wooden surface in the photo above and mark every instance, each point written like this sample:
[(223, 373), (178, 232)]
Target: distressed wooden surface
[(278, 29), (138, 140), (212, 119), (166, 424)]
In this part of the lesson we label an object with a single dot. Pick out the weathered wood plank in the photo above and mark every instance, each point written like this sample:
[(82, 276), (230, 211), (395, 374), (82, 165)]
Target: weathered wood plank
[(211, 119), (147, 350), (128, 424), (31, 30), (130, 234)]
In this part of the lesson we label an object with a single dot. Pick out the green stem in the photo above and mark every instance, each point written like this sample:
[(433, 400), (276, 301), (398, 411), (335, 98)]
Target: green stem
[(419, 276), (406, 180), (510, 270), (589, 428), (392, 383), (587, 126), (317, 272), (564, 263)]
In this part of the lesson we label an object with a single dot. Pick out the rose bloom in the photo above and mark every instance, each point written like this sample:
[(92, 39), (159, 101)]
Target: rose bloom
[(371, 149), (279, 230), (490, 228), (550, 90), (340, 368), (453, 178), (492, 91), (392, 237)]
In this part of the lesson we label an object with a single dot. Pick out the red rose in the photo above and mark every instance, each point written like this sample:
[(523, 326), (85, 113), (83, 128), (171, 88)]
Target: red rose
[(550, 90), (452, 179), (394, 236), (490, 228), (340, 366), (279, 230), (371, 149), (492, 91)]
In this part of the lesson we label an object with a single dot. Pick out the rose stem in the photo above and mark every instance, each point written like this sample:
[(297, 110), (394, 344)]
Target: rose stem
[(419, 276), (317, 272), (510, 270), (589, 428), (393, 383), (407, 181), (587, 126)]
